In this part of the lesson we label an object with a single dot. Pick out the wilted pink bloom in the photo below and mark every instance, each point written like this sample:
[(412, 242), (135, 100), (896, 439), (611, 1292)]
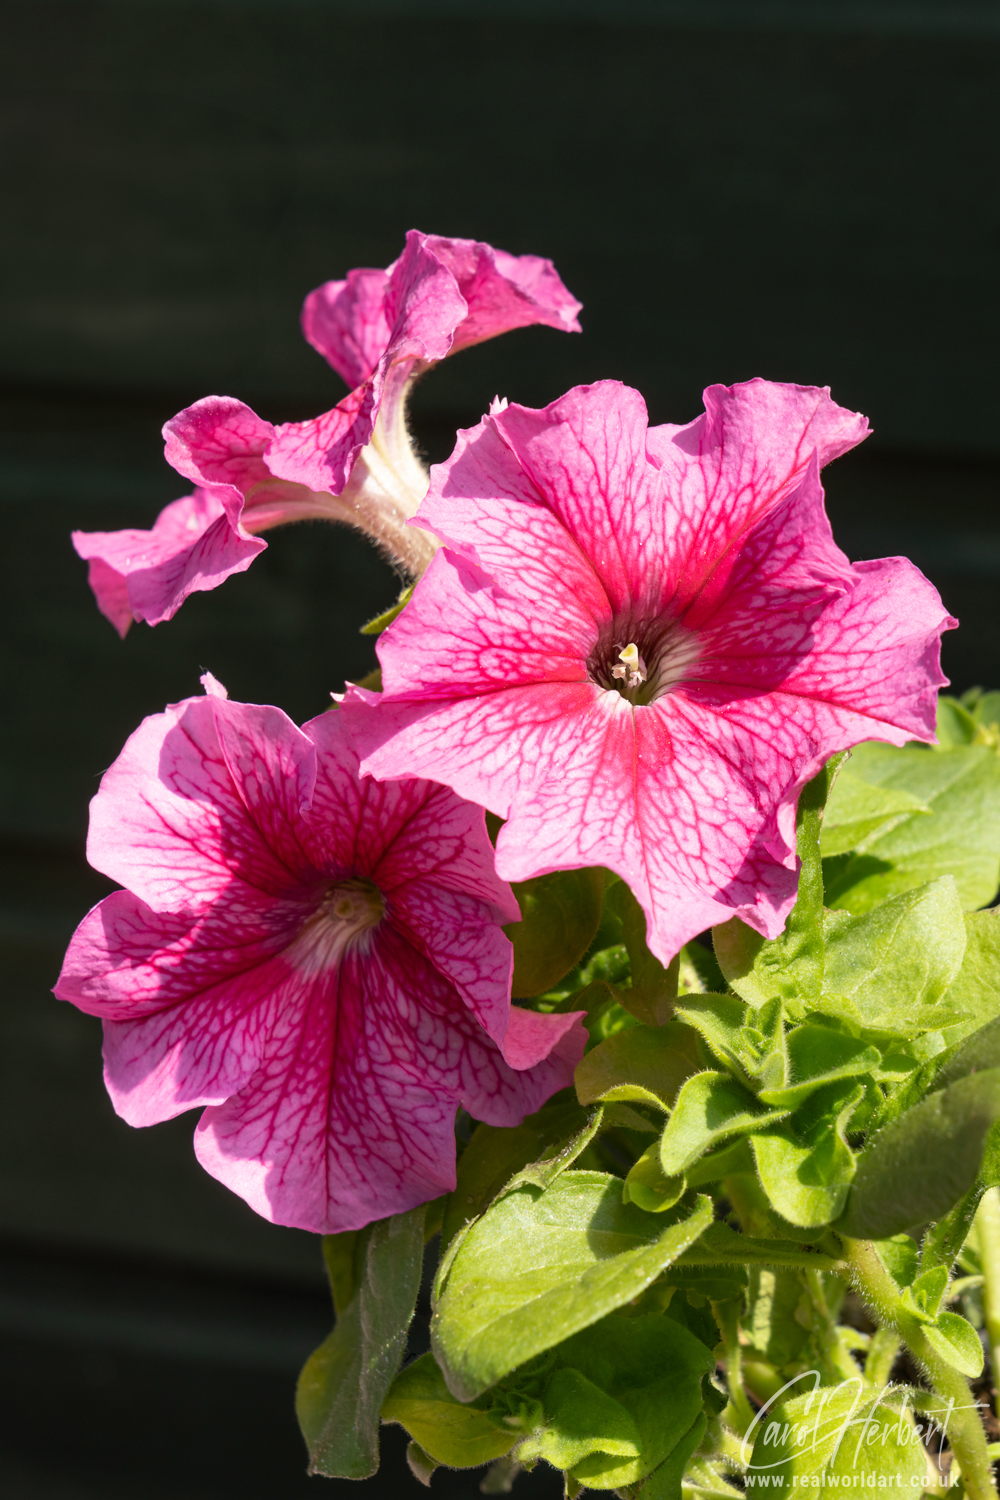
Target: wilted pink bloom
[(638, 644), (315, 956), (356, 463)]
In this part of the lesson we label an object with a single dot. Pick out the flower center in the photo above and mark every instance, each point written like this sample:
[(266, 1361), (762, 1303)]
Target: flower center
[(345, 918), (643, 659)]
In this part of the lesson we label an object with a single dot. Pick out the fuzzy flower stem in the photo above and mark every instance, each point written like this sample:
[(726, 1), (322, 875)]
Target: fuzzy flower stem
[(964, 1429)]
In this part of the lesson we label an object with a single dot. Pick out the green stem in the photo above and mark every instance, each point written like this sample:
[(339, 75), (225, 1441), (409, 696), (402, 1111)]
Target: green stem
[(882, 1353), (837, 1355), (988, 1224), (727, 1315), (964, 1430)]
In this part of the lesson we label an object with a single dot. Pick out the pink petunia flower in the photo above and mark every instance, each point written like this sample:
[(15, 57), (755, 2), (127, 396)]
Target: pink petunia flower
[(379, 330), (639, 644), (314, 956)]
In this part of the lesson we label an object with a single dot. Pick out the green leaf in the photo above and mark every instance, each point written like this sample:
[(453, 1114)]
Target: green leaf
[(720, 1245), (654, 1369), (957, 1342), (790, 965), (654, 988), (342, 1252), (648, 1188), (805, 1164), (975, 992), (343, 1384), (901, 1256), (710, 1108), (773, 1298), (541, 1265), (961, 837), (835, 1438), (495, 1153), (818, 1055), (918, 1166), (955, 724), (420, 1464), (923, 1297), (665, 1482), (451, 1432), (719, 1020), (384, 620), (580, 1420), (644, 1065), (858, 811), (698, 972), (559, 917), (896, 962)]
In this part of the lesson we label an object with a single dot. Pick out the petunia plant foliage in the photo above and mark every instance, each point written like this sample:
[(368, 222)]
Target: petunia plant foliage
[(612, 978)]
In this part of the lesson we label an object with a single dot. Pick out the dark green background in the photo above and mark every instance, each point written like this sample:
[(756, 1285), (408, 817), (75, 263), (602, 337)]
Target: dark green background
[(801, 191)]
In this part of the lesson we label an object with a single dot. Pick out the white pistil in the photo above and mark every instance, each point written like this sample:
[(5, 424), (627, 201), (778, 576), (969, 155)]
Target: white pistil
[(632, 669)]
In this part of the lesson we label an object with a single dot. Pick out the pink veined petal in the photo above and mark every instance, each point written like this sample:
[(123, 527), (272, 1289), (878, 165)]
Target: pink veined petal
[(424, 310), (194, 544), (396, 833), (447, 928), (586, 455), (876, 652), (500, 743), (172, 824), (423, 305), (726, 470), (321, 452), (109, 587), (345, 321), (503, 291), (529, 1038), (329, 1148), (218, 440), (480, 639)]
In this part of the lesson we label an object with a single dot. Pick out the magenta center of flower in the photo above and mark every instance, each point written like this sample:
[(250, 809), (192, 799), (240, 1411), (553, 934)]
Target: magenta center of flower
[(345, 918), (643, 659)]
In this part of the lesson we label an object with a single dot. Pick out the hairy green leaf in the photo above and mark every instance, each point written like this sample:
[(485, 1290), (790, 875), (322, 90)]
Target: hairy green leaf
[(836, 1437), (580, 1420), (665, 1482), (975, 992), (805, 1164), (922, 1163), (452, 1432), (647, 1186), (653, 1368), (710, 1108), (541, 1265), (645, 1065), (961, 837), (559, 917), (957, 1342), (896, 962), (722, 1246), (773, 1298), (858, 811), (344, 1382), (494, 1154), (818, 1055)]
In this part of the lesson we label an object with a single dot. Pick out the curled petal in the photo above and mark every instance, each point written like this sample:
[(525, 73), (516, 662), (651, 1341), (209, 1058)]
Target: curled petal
[(193, 545)]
